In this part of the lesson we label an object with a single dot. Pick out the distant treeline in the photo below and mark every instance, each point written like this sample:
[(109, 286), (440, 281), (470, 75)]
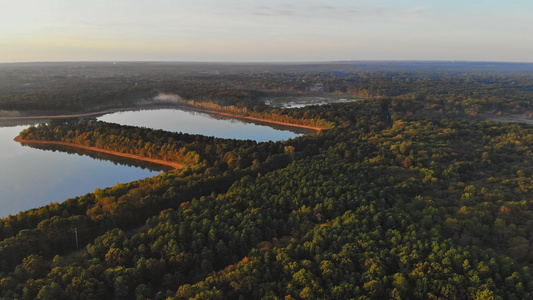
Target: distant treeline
[(452, 89)]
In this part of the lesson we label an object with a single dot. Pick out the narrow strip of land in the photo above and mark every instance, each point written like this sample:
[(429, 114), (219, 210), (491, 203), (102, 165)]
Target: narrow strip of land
[(216, 112), (61, 116), (174, 165)]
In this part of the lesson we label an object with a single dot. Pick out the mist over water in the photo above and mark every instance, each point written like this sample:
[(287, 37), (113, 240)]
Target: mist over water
[(161, 99), (9, 113), (167, 98)]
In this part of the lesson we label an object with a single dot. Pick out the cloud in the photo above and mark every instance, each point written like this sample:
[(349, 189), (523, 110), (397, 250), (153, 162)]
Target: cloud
[(341, 11), (281, 10), (297, 10)]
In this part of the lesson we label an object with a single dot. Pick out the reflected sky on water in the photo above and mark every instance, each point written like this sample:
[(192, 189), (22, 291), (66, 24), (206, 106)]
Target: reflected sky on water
[(200, 123), (31, 177)]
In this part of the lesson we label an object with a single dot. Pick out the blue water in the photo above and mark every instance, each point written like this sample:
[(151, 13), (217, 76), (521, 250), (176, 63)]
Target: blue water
[(31, 177)]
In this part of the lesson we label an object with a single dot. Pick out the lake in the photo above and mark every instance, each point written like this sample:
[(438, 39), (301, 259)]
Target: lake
[(32, 177), (194, 122)]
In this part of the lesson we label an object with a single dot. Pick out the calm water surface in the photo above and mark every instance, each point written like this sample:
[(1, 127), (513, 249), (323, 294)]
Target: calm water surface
[(201, 123), (31, 177)]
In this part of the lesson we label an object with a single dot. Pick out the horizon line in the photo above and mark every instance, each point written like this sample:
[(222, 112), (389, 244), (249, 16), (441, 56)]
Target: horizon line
[(269, 62)]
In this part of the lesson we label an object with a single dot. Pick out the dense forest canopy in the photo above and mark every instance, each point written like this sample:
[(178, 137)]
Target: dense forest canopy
[(434, 204)]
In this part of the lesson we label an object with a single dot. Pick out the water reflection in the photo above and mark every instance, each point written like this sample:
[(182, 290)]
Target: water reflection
[(115, 159), (194, 122), (31, 177)]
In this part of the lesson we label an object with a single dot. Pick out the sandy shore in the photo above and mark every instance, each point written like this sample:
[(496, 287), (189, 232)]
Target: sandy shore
[(174, 165)]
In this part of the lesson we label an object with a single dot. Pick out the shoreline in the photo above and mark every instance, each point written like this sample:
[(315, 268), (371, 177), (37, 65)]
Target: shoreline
[(79, 115), (174, 165), (216, 112), (183, 107)]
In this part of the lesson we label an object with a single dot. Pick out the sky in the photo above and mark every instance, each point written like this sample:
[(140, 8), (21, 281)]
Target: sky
[(265, 31)]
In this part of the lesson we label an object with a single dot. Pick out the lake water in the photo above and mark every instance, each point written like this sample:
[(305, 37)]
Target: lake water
[(32, 177), (202, 123)]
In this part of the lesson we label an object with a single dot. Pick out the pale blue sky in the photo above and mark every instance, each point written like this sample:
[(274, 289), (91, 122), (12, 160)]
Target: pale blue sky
[(244, 31)]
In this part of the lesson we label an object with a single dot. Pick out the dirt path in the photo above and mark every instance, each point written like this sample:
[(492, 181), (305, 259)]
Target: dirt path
[(174, 165)]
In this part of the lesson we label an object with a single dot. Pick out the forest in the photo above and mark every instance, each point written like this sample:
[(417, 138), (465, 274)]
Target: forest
[(454, 88), (433, 202)]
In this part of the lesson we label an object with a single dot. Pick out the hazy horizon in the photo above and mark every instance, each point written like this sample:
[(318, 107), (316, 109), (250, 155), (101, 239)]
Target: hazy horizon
[(268, 62)]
